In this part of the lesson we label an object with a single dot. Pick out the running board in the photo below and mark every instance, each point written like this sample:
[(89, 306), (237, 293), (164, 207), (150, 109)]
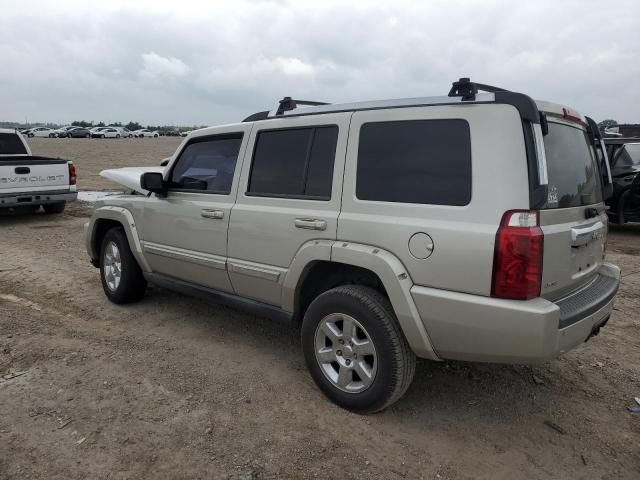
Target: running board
[(218, 296)]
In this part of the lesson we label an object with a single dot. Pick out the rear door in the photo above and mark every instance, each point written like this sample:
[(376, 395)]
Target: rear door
[(290, 194), (574, 221)]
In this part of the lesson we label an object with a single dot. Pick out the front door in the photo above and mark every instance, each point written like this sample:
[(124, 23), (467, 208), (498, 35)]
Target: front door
[(185, 233)]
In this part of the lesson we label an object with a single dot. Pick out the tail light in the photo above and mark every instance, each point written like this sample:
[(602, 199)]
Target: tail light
[(73, 177), (517, 260)]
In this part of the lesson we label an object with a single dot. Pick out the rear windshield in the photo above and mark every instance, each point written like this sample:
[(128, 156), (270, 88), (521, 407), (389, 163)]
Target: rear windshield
[(10, 144), (630, 156), (574, 178)]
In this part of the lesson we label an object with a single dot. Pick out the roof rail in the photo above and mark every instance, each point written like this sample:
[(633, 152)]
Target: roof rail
[(287, 103), (467, 89)]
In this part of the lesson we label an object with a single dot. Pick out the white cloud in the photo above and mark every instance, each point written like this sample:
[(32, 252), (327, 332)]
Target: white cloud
[(157, 67), (208, 62)]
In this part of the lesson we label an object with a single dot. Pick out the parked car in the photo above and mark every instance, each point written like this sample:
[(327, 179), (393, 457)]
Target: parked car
[(124, 132), (78, 132), (426, 260), (28, 182), (624, 155), (185, 134), (145, 133), (106, 133), (63, 131), (42, 132)]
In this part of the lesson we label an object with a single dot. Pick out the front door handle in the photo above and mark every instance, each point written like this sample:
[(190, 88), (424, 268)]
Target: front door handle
[(215, 214), (311, 223)]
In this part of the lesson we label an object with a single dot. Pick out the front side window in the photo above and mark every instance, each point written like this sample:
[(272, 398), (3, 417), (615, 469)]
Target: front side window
[(574, 177), (415, 161), (296, 163), (207, 165)]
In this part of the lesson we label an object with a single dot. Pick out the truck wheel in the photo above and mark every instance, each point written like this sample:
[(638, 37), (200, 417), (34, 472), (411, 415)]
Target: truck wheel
[(54, 207), (122, 279), (355, 350)]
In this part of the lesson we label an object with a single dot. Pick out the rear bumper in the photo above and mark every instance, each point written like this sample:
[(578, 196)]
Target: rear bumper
[(36, 198), (476, 328)]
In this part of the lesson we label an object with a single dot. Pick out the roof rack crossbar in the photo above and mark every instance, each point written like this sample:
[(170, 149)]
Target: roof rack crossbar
[(287, 104), (467, 89)]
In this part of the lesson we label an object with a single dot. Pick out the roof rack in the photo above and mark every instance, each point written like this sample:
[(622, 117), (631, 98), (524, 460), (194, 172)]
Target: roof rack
[(467, 89), (287, 103)]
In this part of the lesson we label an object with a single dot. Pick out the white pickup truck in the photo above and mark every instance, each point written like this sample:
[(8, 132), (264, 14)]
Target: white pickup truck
[(28, 181)]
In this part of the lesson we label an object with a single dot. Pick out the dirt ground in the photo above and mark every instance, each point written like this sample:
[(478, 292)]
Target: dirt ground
[(174, 387)]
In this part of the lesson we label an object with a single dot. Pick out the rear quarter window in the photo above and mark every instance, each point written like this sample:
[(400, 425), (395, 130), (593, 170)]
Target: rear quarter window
[(415, 161), (10, 144)]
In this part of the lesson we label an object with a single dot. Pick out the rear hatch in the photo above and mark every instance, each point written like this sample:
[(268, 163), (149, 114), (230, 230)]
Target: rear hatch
[(573, 220), (25, 174)]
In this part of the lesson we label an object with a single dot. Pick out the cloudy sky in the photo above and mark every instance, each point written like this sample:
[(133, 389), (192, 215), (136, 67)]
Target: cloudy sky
[(183, 62)]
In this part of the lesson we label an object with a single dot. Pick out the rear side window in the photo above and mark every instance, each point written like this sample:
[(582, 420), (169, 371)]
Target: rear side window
[(10, 144), (574, 177), (415, 161), (629, 156), (295, 163), (207, 165)]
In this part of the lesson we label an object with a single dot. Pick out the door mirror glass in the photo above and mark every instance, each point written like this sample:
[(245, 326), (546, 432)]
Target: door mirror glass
[(153, 182)]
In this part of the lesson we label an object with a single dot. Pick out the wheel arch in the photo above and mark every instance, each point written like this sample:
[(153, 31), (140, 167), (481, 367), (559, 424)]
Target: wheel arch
[(103, 220), (321, 265)]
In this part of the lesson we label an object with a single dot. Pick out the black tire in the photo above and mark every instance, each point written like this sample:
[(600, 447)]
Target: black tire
[(30, 135), (155, 136), (132, 284), (396, 362), (57, 207), (117, 135), (622, 203)]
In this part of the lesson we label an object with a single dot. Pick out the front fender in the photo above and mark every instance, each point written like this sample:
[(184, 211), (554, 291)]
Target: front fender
[(124, 218)]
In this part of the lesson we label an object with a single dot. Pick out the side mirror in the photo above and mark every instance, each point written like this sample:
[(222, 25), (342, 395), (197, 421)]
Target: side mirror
[(153, 182)]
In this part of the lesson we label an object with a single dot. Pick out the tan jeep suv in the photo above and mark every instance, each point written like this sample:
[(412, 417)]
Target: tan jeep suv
[(469, 227)]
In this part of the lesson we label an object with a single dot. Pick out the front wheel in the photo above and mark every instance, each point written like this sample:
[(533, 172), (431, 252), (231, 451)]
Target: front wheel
[(118, 135), (122, 279), (88, 135), (355, 350)]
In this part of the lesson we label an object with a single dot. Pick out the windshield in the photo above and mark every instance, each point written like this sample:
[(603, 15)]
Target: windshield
[(10, 144), (574, 178)]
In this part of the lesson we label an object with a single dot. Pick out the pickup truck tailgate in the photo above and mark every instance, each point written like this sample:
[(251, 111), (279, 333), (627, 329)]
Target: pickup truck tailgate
[(25, 173)]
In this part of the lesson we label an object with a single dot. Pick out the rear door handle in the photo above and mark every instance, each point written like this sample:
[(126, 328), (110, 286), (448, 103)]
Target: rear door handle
[(215, 214), (311, 223)]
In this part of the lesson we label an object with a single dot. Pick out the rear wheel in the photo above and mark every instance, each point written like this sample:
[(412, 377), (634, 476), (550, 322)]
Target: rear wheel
[(117, 135), (355, 349), (122, 279), (54, 207), (87, 135)]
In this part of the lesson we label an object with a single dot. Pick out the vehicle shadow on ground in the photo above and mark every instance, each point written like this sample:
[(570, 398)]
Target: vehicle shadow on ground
[(499, 391)]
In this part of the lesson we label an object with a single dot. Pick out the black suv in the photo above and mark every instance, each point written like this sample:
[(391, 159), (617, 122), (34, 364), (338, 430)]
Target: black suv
[(624, 157)]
